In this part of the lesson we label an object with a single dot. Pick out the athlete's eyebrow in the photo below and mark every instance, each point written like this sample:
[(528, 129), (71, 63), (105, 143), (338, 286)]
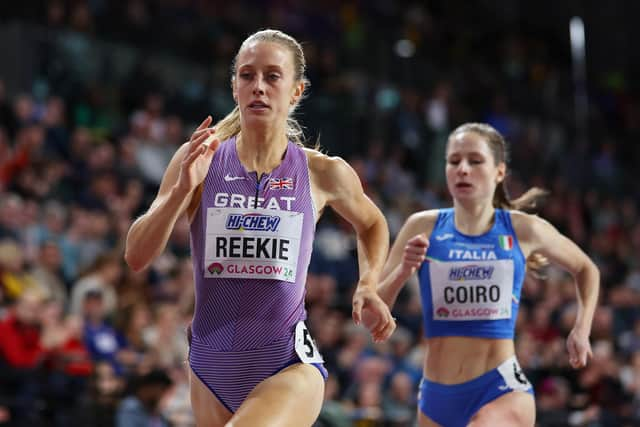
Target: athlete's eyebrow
[(270, 67), (466, 153), (476, 153)]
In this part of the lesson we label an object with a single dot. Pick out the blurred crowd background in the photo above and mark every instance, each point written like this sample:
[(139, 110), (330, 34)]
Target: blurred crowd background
[(96, 95)]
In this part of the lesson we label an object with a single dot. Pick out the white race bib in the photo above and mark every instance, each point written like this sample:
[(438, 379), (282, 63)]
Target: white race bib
[(513, 376), (252, 243), (305, 346), (463, 290)]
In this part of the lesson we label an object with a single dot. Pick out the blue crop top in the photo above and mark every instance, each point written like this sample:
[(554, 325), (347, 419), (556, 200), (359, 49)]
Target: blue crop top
[(470, 285)]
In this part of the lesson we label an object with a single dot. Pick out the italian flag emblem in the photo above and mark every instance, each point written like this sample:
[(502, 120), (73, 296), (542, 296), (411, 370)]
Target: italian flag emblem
[(506, 242)]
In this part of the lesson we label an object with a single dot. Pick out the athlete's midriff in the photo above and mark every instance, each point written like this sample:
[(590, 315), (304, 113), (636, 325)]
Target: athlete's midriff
[(454, 360)]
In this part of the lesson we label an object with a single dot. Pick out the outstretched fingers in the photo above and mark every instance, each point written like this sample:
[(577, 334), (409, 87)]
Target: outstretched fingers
[(203, 129), (205, 123), (190, 158), (199, 141)]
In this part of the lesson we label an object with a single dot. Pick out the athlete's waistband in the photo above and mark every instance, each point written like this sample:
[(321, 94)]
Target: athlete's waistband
[(480, 381)]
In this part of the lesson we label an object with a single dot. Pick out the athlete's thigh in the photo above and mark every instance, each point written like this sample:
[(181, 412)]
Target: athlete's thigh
[(293, 397), (515, 409), (207, 409), (424, 421)]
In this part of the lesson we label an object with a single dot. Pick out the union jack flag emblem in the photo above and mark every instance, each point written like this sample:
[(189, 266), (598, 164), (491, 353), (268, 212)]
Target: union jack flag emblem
[(281, 184)]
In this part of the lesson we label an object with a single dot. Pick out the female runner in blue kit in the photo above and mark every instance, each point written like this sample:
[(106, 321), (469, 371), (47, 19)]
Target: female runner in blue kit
[(253, 195), (470, 286)]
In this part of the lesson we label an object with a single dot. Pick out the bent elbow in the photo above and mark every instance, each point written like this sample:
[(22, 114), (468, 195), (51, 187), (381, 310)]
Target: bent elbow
[(591, 268), (135, 263), (596, 272)]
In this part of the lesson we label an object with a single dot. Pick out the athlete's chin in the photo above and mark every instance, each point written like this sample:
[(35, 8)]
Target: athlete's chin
[(465, 195), (258, 117), (471, 199), (258, 120), (259, 112)]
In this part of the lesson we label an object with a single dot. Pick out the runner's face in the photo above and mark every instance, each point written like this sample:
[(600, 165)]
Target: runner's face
[(472, 173), (264, 85)]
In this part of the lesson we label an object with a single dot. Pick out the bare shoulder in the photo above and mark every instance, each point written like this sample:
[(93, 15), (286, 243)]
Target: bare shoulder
[(423, 217), (322, 163), (314, 155), (317, 161), (528, 226), (421, 221), (329, 172)]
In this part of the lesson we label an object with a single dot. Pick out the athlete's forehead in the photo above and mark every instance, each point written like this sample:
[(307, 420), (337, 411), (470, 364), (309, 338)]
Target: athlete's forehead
[(467, 143), (262, 54)]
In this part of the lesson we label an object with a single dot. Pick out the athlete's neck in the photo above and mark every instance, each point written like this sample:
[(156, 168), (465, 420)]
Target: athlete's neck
[(474, 219), (261, 151)]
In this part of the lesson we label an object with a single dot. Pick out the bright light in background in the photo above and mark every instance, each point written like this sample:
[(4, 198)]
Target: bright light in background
[(405, 48), (576, 32), (578, 56)]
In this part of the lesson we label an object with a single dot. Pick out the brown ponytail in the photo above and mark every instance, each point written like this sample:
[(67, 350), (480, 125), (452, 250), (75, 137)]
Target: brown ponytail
[(529, 202)]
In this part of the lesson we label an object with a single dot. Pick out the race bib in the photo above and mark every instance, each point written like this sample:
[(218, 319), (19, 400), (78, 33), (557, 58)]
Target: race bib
[(463, 290), (513, 376), (305, 346), (252, 244)]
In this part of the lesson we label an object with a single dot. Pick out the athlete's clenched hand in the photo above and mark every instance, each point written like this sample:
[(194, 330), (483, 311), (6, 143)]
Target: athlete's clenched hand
[(414, 253)]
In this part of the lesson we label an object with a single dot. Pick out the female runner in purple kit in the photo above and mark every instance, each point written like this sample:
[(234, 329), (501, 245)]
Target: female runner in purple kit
[(253, 195)]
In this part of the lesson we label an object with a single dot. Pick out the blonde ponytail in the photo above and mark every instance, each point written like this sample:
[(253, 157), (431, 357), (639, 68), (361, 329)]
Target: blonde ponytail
[(229, 126)]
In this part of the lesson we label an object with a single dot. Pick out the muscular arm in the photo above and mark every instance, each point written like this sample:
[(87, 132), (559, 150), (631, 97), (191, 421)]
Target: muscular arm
[(396, 272), (336, 184), (341, 189), (538, 235), (149, 234)]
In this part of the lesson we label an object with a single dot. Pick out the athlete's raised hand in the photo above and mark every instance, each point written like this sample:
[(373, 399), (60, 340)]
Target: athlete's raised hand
[(414, 254), (374, 314), (197, 159)]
